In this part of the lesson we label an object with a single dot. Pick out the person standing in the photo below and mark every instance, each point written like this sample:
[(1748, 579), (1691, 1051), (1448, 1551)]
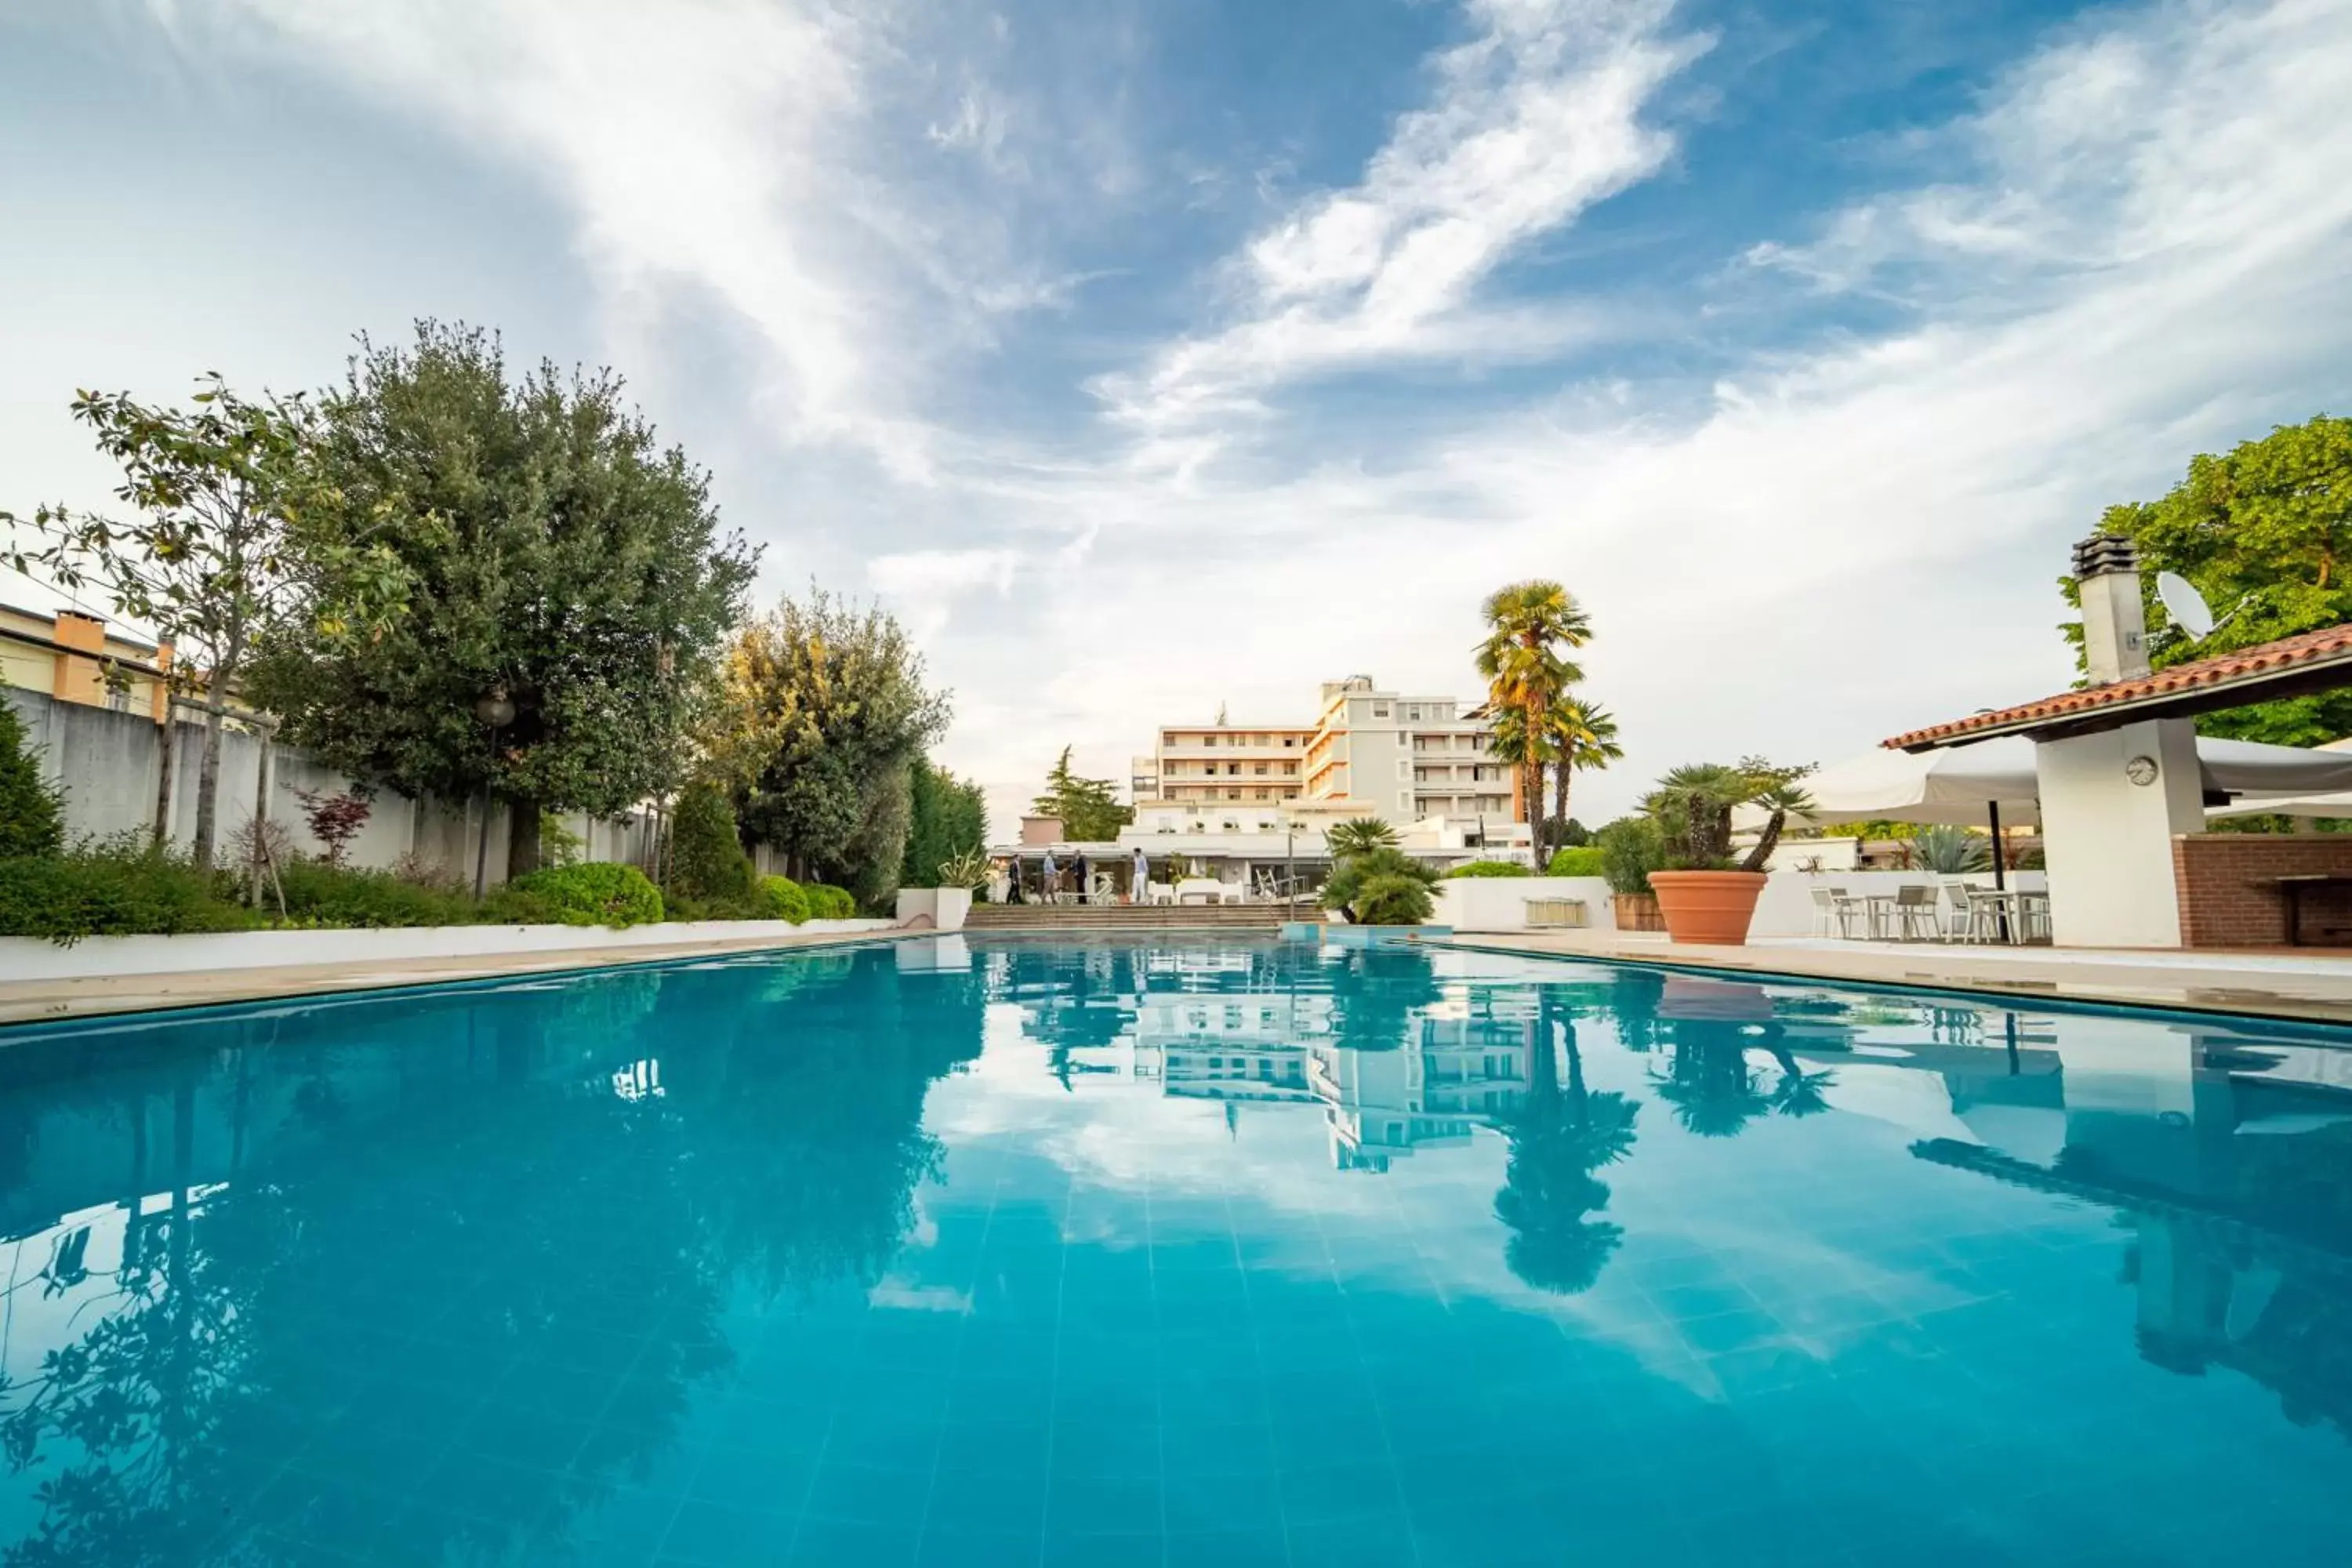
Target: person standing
[(1143, 878)]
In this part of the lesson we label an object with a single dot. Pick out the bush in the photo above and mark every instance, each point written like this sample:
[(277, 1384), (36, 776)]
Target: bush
[(1355, 873), (114, 889), (1393, 900), (597, 892), (707, 862), (1577, 861), (1630, 849), (1490, 868), (32, 816), (830, 903), (781, 898), (321, 893)]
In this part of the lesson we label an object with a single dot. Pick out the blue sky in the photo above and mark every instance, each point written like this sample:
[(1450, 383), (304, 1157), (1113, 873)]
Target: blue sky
[(1150, 357)]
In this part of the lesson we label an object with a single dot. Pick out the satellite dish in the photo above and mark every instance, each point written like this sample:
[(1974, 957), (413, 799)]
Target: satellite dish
[(2184, 604)]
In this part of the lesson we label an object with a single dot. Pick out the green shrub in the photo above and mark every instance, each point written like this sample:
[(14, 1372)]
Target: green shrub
[(596, 892), (781, 898), (1491, 869), (112, 889), (1630, 849), (318, 894), (706, 855), (1355, 873), (32, 816), (1578, 860), (1393, 900), (827, 902)]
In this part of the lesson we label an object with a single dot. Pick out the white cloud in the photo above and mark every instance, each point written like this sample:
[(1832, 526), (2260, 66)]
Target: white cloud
[(1530, 122)]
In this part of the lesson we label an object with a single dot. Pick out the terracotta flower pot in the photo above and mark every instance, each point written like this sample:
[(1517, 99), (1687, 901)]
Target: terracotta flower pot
[(1708, 907)]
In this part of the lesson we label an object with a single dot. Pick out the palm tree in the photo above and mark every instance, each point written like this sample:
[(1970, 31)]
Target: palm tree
[(1529, 625), (1583, 736), (1360, 837)]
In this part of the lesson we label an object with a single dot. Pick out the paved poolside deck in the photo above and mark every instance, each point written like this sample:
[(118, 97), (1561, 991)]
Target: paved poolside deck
[(57, 1000), (2299, 982)]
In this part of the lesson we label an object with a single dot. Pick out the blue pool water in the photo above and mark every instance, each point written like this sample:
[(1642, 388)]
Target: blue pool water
[(1215, 1252)]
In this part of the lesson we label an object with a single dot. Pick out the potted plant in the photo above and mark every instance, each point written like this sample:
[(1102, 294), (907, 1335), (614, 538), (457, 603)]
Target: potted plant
[(1705, 895), (1630, 850)]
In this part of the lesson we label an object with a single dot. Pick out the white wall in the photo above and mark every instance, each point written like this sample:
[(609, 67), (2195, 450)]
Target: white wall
[(2109, 841), (1500, 903), (29, 958)]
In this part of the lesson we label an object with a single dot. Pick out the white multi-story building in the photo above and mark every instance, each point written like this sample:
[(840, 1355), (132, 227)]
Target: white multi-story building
[(1369, 752)]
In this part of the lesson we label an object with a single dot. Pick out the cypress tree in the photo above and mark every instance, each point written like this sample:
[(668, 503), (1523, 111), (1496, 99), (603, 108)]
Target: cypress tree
[(32, 809)]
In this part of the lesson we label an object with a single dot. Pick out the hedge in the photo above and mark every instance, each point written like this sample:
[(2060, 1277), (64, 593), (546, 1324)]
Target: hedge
[(598, 892)]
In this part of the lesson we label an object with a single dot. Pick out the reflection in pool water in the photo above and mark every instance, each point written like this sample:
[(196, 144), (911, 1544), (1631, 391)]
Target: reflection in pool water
[(1217, 1251)]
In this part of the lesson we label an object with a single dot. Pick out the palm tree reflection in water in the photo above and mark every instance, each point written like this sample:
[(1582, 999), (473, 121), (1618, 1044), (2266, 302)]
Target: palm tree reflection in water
[(1558, 1137)]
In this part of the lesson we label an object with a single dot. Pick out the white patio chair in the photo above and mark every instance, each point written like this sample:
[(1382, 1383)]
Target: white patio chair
[(1963, 923), (1829, 918), (1915, 914)]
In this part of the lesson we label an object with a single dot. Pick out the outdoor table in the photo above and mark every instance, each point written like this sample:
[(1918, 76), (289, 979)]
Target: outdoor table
[(2291, 889), (1876, 909)]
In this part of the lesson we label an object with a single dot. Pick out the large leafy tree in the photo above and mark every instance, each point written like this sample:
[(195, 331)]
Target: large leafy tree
[(1531, 627), (1088, 808), (822, 715), (2264, 531), (232, 544), (562, 560)]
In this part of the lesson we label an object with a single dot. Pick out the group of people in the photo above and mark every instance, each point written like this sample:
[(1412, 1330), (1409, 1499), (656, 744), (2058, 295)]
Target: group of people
[(1075, 875)]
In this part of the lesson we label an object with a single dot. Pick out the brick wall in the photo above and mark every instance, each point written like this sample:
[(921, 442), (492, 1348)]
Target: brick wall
[(2227, 897)]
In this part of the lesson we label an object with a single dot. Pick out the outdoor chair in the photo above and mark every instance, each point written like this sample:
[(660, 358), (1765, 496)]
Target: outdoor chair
[(1833, 907), (1915, 914), (1975, 918)]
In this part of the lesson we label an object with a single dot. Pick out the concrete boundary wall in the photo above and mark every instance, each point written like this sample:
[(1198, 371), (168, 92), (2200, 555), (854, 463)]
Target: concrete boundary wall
[(109, 765), (30, 958)]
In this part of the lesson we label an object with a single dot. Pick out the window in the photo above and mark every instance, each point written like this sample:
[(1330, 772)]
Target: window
[(1208, 740), (1290, 739), (1262, 795), (1233, 768), (1290, 769), (1379, 710), (1259, 769), (1232, 794)]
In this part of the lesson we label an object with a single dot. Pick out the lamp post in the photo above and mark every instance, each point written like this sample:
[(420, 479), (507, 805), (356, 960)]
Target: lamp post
[(495, 712)]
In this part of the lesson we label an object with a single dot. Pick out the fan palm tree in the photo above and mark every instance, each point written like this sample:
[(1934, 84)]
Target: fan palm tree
[(1529, 626), (1360, 837), (1583, 736)]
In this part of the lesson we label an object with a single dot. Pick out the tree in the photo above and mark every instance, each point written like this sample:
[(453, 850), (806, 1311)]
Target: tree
[(32, 809), (822, 712), (1088, 808), (2264, 531), (335, 820), (233, 546), (948, 822), (1583, 736), (561, 559), (706, 855), (1356, 836), (1529, 626)]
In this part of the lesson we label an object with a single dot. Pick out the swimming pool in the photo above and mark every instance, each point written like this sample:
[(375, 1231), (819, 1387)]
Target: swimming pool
[(1184, 1251)]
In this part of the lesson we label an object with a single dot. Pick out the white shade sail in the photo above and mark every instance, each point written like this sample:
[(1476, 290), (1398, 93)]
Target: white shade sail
[(1961, 785)]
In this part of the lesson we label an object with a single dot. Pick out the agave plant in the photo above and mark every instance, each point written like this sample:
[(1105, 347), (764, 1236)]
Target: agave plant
[(1949, 851), (967, 870)]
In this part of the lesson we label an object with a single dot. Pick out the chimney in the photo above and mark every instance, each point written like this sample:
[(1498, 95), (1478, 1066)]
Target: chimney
[(2114, 615)]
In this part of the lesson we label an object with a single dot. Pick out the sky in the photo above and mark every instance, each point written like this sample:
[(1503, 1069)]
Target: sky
[(1152, 357)]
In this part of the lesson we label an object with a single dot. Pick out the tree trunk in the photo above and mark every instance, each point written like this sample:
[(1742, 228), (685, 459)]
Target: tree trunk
[(523, 837), (163, 833), (1560, 805), (208, 772)]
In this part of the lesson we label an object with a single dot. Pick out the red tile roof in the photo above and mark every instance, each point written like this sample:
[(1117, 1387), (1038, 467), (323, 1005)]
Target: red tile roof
[(2246, 667)]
